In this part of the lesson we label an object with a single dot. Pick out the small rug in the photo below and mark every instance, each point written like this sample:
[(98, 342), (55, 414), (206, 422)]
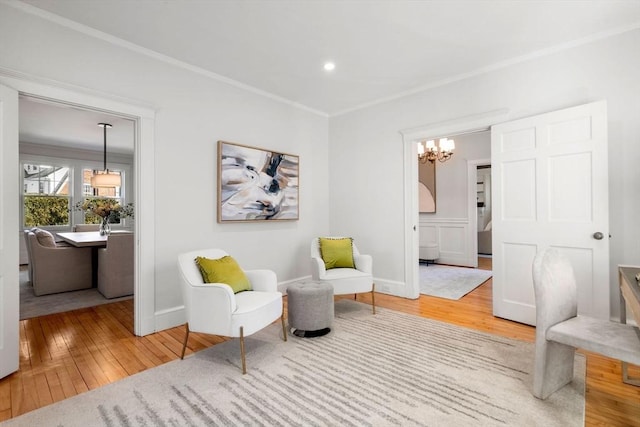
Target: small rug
[(388, 369), (34, 306), (449, 282)]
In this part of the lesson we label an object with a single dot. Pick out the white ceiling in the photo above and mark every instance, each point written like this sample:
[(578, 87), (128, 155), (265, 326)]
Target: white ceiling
[(43, 122), (382, 49)]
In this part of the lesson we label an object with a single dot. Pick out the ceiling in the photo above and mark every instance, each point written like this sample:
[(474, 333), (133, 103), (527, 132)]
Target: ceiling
[(382, 49), (46, 123)]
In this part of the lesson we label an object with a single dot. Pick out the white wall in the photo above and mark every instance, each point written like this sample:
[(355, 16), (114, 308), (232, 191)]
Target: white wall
[(366, 147), (193, 112)]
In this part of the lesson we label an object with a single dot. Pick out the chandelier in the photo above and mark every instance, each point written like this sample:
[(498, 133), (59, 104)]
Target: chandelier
[(105, 178), (431, 151)]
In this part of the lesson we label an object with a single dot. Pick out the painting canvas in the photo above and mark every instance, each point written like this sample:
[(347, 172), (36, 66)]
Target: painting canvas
[(256, 184)]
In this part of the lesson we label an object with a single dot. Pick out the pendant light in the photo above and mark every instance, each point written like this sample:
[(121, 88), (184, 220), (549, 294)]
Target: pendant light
[(104, 178)]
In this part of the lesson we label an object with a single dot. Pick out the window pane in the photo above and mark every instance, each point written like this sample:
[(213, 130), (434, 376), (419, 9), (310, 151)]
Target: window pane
[(46, 195), (46, 210), (89, 191), (46, 179)]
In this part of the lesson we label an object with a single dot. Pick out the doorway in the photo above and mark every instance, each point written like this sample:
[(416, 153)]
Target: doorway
[(60, 147), (484, 210), (461, 126), (143, 189)]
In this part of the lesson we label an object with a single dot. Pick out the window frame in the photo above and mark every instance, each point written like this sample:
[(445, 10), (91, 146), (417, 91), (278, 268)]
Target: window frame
[(77, 161)]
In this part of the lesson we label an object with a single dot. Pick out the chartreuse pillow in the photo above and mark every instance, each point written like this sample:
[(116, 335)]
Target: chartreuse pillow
[(223, 270), (337, 253)]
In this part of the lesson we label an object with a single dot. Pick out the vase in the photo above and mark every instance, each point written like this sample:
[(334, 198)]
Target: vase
[(105, 228)]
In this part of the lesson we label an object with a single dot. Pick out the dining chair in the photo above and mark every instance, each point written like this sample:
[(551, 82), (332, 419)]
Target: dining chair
[(86, 227), (115, 266), (57, 268)]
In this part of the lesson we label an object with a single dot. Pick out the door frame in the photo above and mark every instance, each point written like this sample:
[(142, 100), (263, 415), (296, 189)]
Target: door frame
[(458, 126), (144, 173)]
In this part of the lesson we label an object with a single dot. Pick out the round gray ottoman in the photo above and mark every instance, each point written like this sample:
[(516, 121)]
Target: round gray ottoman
[(310, 308)]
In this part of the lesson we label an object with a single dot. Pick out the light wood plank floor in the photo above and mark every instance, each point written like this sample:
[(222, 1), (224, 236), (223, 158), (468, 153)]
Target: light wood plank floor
[(62, 355)]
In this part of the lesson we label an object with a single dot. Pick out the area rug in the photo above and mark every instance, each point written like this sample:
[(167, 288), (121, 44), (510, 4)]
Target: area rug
[(34, 306), (388, 369), (450, 282)]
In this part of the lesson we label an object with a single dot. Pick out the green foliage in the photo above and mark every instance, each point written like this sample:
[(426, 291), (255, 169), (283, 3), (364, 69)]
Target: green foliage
[(46, 210)]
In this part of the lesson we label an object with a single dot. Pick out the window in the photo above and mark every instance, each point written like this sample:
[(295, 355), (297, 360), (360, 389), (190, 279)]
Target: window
[(46, 194), (54, 187), (103, 198)]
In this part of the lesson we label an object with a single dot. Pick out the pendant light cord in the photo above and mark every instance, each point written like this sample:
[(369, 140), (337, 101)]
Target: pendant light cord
[(104, 128)]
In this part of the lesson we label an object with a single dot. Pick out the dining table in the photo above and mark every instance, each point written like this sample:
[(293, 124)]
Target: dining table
[(83, 239)]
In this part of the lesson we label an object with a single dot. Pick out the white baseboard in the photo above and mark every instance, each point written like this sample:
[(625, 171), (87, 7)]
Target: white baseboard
[(169, 318)]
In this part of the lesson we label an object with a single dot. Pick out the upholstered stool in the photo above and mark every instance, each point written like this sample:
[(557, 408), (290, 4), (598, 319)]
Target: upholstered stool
[(429, 251), (310, 308)]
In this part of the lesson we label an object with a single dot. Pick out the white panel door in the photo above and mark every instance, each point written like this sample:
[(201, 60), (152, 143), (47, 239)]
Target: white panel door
[(550, 189), (9, 297)]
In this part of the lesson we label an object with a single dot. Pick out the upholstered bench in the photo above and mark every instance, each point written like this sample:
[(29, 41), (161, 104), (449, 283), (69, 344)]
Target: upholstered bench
[(429, 252), (310, 308)]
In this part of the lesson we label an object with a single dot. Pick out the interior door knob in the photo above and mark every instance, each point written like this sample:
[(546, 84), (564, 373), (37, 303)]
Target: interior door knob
[(598, 235)]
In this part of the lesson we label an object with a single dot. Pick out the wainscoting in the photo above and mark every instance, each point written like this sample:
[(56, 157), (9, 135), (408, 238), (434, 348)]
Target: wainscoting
[(453, 237)]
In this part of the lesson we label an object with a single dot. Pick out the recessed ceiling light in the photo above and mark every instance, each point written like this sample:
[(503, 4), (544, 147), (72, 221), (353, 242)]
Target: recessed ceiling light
[(329, 66)]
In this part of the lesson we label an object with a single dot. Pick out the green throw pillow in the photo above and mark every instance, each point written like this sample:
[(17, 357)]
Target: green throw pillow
[(223, 270), (337, 253)]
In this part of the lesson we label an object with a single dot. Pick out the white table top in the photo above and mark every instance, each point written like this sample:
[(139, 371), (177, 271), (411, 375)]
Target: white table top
[(87, 238)]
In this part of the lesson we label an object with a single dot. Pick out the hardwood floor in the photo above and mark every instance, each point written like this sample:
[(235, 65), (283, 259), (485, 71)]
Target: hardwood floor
[(62, 355)]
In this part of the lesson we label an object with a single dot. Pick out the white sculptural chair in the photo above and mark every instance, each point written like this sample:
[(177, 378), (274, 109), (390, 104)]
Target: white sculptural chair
[(213, 308), (345, 280), (560, 330)]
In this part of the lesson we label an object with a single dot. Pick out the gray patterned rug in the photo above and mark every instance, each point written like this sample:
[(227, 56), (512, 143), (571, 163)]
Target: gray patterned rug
[(383, 370), (450, 282)]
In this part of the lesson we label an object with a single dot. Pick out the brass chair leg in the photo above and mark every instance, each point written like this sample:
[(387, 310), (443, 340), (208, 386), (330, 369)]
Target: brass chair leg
[(242, 355), (186, 337), (373, 297), (284, 329)]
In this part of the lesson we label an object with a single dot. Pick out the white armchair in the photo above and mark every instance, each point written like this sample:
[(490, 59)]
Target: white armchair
[(345, 280), (213, 308)]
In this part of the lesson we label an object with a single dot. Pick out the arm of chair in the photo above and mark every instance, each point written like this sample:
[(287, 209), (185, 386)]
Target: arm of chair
[(262, 280), (363, 263), (209, 307), (318, 270)]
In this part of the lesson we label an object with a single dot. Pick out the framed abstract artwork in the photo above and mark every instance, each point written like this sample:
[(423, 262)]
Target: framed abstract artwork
[(255, 184)]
